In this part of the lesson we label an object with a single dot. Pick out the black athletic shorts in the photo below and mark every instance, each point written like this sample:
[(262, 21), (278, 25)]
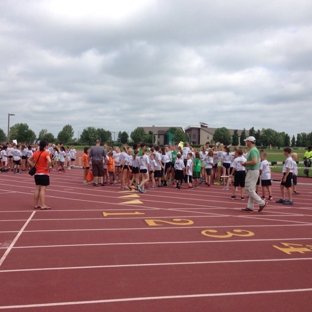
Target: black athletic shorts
[(42, 179)]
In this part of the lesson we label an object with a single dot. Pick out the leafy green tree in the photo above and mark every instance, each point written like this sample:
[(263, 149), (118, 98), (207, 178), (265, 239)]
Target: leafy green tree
[(138, 135), (179, 136), (89, 136), (304, 139), (293, 141), (252, 132), (2, 136), (22, 133), (309, 139), (104, 135), (242, 138), (149, 138), (272, 137), (258, 138), (172, 130), (63, 136), (287, 140), (124, 137), (299, 140), (222, 135), (42, 134), (14, 131), (69, 129), (235, 138)]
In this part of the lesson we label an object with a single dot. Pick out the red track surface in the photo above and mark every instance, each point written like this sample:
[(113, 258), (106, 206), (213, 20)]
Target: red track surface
[(73, 258)]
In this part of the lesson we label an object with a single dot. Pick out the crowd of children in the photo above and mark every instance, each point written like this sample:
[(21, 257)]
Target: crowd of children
[(13, 157), (143, 167)]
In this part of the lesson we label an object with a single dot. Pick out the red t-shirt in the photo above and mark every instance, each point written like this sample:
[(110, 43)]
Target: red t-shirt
[(42, 163)]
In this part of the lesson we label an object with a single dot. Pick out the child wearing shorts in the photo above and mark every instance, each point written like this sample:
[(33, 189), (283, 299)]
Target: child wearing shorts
[(295, 173), (196, 168), (265, 176), (287, 177), (239, 173)]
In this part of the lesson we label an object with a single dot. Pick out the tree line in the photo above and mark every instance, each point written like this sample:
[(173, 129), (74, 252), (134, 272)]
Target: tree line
[(265, 137)]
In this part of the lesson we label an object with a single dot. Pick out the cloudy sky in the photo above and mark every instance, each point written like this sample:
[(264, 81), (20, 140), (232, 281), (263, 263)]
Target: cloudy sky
[(126, 63)]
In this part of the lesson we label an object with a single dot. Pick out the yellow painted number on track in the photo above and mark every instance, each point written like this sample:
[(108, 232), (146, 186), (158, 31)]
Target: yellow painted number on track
[(290, 248), (240, 233), (156, 222)]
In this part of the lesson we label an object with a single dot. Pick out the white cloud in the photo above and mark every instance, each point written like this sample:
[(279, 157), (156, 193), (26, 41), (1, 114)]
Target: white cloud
[(122, 64)]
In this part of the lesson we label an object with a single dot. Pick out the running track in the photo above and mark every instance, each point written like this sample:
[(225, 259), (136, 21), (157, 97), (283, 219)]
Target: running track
[(166, 250)]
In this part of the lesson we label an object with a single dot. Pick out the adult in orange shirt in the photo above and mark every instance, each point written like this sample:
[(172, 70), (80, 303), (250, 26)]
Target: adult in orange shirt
[(42, 160)]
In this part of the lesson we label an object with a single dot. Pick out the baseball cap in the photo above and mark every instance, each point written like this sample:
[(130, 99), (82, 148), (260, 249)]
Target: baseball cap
[(251, 139)]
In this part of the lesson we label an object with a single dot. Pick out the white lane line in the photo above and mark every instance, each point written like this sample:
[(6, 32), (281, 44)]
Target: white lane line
[(113, 266), (131, 299), (166, 243), (15, 239), (164, 228)]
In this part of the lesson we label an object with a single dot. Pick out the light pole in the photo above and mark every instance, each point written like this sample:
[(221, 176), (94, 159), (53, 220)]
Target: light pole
[(9, 115)]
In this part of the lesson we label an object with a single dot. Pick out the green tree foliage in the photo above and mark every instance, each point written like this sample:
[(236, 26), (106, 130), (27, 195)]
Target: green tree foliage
[(258, 138), (123, 137), (287, 140), (222, 135), (252, 132), (272, 137), (3, 136), (235, 138), (22, 133), (63, 136), (309, 139), (172, 130), (89, 136), (179, 136), (104, 135), (149, 138), (242, 138), (304, 139), (293, 141), (69, 129), (138, 135), (299, 140), (44, 134)]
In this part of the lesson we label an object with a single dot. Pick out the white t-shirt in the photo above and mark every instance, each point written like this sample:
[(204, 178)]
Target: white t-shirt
[(10, 151), (179, 164), (289, 164), (185, 151), (153, 164), (72, 153), (62, 156), (208, 161), (144, 162), (265, 170), (116, 156), (295, 168), (237, 163), (17, 154), (158, 159), (4, 156), (226, 158), (189, 167)]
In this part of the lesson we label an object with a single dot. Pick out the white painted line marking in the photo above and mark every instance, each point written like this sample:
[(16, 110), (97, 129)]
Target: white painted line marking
[(15, 239), (113, 266), (167, 243), (242, 293)]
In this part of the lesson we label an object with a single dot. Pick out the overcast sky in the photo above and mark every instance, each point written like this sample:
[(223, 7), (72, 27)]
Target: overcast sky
[(122, 64)]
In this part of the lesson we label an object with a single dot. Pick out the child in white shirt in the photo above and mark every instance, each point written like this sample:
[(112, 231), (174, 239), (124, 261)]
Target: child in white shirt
[(295, 173), (189, 170), (265, 176)]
